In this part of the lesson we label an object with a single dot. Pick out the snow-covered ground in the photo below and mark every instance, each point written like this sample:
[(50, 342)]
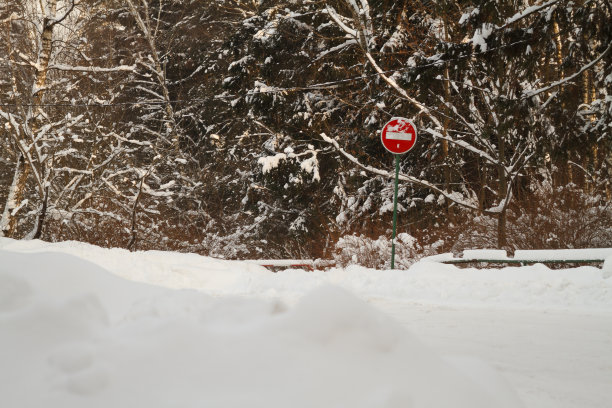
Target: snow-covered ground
[(82, 326)]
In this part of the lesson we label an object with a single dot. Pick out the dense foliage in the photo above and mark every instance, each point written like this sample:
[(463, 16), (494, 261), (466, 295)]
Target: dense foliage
[(250, 128)]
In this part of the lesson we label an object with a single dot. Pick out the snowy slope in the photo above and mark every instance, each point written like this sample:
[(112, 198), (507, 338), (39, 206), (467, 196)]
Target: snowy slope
[(75, 333)]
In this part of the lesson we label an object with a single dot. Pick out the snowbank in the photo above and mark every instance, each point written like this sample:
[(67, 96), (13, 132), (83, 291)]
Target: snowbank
[(531, 287), (74, 335)]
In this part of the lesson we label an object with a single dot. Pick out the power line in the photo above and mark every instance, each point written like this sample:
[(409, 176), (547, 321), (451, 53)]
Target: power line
[(269, 90)]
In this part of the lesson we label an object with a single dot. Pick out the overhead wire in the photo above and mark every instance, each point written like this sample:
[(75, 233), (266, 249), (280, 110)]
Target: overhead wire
[(271, 90)]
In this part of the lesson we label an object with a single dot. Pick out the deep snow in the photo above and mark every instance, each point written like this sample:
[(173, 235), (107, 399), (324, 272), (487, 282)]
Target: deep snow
[(535, 287), (74, 333)]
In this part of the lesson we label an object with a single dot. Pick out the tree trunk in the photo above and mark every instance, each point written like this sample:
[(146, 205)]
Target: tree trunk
[(14, 200), (482, 178), (445, 158), (559, 54), (502, 194), (42, 215), (501, 230), (22, 168), (134, 227)]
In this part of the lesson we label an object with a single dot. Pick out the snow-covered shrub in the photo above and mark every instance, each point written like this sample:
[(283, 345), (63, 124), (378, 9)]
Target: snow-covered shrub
[(480, 232), (550, 218), (562, 217), (376, 253)]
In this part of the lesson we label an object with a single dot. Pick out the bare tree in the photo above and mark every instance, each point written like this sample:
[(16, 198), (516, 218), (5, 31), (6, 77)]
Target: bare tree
[(54, 140)]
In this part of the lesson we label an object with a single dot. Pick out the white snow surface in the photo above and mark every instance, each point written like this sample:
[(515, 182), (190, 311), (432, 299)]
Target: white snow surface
[(525, 288), (567, 254), (484, 253), (83, 326)]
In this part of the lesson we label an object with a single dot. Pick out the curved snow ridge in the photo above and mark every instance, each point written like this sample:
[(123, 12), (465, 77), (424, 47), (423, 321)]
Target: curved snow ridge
[(583, 289), (168, 269)]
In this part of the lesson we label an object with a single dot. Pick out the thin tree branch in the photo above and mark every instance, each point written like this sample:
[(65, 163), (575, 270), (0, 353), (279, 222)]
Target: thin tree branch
[(530, 94)]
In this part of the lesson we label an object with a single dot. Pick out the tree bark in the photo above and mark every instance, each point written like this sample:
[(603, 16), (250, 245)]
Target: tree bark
[(41, 216), (502, 193), (559, 46), (22, 168), (134, 227), (501, 230), (14, 199), (445, 147)]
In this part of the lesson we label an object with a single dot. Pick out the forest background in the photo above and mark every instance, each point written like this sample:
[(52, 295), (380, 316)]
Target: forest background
[(250, 128)]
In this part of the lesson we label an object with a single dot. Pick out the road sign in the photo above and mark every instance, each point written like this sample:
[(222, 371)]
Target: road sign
[(398, 135)]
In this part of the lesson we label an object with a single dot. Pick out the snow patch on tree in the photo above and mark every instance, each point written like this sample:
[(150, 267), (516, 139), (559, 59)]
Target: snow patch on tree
[(481, 35)]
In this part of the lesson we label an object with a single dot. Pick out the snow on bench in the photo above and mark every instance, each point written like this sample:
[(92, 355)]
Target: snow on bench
[(306, 264), (524, 256), (539, 255)]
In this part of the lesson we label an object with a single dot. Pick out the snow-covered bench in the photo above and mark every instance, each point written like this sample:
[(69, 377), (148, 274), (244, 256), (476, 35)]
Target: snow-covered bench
[(305, 264), (527, 256)]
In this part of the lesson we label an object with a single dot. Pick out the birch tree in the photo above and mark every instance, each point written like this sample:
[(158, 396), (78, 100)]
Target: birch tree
[(53, 148)]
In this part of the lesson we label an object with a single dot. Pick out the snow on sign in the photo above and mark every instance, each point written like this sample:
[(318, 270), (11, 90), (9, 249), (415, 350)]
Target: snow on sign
[(398, 135)]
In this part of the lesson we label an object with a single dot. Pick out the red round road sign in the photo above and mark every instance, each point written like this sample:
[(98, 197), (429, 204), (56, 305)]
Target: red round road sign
[(398, 135)]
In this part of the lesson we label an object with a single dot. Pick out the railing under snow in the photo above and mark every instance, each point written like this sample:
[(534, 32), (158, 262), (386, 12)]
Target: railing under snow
[(524, 257), (473, 256), (305, 264)]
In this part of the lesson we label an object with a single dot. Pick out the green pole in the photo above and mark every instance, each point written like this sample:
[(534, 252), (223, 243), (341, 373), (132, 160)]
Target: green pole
[(397, 168)]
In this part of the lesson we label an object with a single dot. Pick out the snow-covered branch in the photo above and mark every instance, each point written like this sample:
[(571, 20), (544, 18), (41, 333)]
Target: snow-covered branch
[(12, 17), (532, 93), (64, 67), (362, 31), (339, 21), (465, 145), (58, 20), (453, 197), (424, 109), (527, 12)]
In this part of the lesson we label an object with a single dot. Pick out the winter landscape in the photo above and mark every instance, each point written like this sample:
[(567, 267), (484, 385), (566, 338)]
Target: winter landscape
[(197, 203)]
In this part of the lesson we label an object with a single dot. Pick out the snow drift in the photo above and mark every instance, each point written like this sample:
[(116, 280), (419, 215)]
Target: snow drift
[(74, 335), (583, 289)]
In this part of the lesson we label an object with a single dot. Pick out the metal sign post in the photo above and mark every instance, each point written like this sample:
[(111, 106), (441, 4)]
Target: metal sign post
[(398, 136), (397, 167)]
